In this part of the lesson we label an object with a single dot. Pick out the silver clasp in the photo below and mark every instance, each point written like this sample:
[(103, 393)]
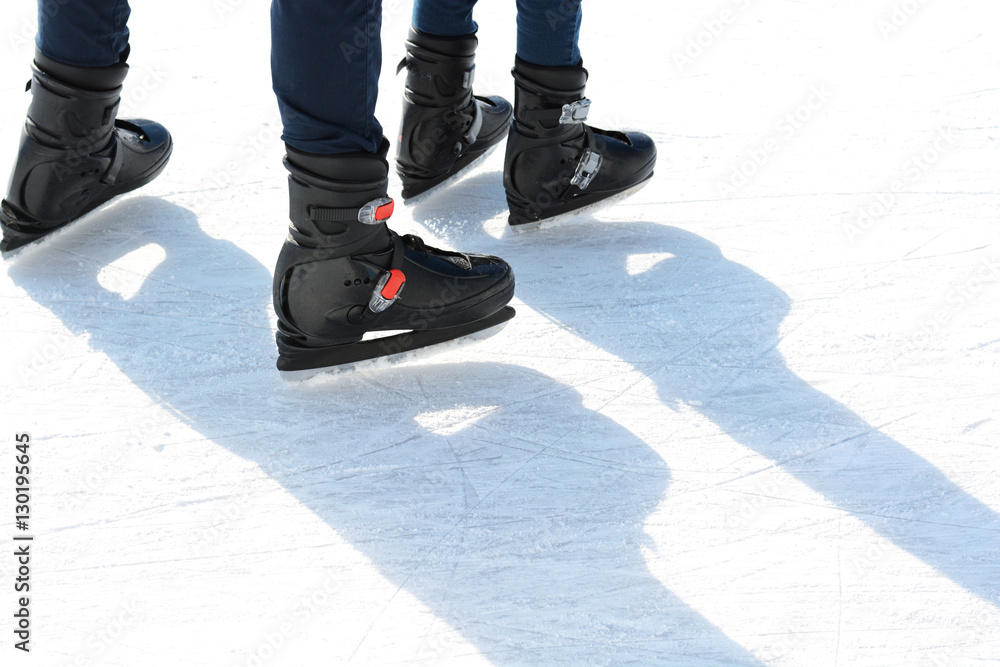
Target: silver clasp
[(376, 211), (590, 163), (575, 112)]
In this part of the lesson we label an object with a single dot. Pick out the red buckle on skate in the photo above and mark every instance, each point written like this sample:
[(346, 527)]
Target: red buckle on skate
[(387, 290), (376, 211)]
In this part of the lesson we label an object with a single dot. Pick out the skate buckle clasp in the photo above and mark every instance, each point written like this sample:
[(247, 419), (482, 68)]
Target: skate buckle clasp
[(376, 211), (575, 112), (468, 77), (590, 163), (387, 290)]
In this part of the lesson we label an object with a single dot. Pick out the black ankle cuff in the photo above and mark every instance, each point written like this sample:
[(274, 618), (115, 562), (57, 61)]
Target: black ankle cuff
[(96, 79), (459, 46), (570, 77), (359, 166)]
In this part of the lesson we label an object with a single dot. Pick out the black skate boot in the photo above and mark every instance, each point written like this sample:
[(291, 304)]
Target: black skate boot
[(556, 163), (445, 129), (74, 154), (343, 273)]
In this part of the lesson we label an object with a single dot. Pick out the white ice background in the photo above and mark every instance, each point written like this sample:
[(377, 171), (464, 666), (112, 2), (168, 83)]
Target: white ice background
[(747, 417)]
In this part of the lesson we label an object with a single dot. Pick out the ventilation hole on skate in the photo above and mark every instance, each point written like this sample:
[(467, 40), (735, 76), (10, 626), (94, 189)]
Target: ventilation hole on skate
[(562, 161), (347, 283), (357, 281), (367, 280)]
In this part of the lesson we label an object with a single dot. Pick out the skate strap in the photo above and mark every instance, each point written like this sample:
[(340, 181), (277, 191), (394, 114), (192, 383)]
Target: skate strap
[(111, 174), (571, 113), (68, 117), (389, 285), (374, 212), (468, 76), (586, 169), (392, 280), (477, 124)]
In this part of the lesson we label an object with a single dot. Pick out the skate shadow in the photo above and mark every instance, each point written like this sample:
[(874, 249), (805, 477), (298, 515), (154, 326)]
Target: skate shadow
[(479, 195), (706, 331), (486, 490)]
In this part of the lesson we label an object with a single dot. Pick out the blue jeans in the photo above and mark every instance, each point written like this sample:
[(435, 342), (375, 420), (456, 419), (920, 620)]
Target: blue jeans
[(325, 54), (85, 33), (325, 60), (548, 31)]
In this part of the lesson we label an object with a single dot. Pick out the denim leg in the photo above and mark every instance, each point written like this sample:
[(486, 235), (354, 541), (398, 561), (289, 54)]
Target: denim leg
[(325, 61), (445, 18), (548, 31), (84, 33)]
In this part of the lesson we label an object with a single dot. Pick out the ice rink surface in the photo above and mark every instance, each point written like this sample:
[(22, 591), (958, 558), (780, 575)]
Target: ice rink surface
[(747, 417)]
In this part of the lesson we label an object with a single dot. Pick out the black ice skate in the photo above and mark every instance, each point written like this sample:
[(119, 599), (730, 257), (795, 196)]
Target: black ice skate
[(74, 154), (555, 163), (342, 273), (445, 130)]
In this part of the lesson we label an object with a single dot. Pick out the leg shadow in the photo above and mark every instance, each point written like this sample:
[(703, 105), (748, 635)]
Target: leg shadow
[(486, 490), (706, 331)]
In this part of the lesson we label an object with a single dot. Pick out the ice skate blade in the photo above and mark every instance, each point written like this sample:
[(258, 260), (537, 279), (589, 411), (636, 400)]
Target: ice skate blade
[(43, 240), (142, 180), (417, 350), (584, 211), (454, 178)]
